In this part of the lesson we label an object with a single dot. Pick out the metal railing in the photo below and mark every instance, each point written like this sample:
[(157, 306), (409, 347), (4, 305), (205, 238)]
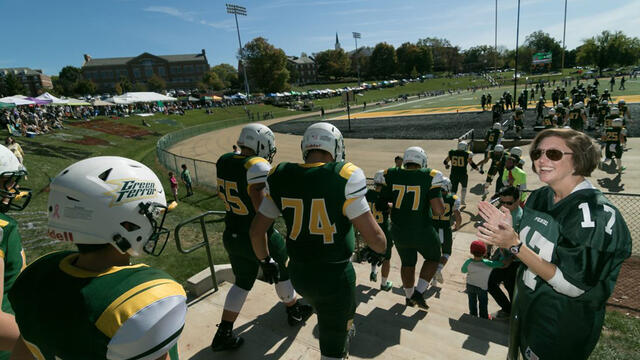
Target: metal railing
[(205, 239)]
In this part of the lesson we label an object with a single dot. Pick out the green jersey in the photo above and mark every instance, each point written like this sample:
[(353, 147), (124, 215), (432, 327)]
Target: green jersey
[(493, 136), (122, 312), (12, 255), (315, 200), (379, 209), (603, 111), (235, 173), (614, 135), (576, 122), (410, 192), (608, 120), (549, 121), (459, 160), (451, 204), (587, 239)]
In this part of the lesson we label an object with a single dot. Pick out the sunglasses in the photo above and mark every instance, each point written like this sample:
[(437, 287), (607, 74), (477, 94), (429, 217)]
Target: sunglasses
[(552, 154), (507, 202)]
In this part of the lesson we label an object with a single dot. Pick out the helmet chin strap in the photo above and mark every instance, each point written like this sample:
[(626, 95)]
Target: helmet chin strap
[(122, 244)]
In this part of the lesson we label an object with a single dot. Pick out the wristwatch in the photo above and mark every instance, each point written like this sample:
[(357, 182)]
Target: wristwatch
[(515, 249)]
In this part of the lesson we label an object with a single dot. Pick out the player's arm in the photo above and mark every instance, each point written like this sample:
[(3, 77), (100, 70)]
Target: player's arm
[(9, 331), (435, 194), (456, 213), (356, 209), (446, 162), (265, 216)]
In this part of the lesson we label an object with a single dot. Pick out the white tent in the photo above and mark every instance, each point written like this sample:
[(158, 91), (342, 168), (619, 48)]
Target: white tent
[(54, 100), (136, 97), (16, 100)]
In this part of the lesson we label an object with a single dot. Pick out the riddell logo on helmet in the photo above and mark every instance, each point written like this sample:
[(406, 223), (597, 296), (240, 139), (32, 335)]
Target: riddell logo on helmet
[(131, 190), (60, 236)]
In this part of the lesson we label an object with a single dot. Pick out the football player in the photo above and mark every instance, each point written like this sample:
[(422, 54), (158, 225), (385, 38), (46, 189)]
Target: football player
[(498, 158), (492, 139), (572, 242), (12, 257), (605, 95), (111, 208), (540, 106), (593, 111), (241, 182), (577, 117), (415, 194), (459, 159), (561, 114), (518, 121), (614, 138), (380, 210), (319, 201), (550, 120), (442, 224), (625, 114)]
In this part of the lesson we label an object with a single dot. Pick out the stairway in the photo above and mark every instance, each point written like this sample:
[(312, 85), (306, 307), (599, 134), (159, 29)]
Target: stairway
[(385, 328)]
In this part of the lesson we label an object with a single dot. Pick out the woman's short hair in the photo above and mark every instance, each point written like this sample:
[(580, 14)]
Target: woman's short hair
[(585, 154)]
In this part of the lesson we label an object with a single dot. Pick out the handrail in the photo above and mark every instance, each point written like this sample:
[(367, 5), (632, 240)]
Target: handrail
[(205, 241)]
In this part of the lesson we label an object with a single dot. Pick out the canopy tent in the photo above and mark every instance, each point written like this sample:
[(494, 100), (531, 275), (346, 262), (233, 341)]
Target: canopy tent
[(191, 98), (51, 99), (137, 97), (6, 105), (39, 101), (76, 102), (98, 102), (16, 100)]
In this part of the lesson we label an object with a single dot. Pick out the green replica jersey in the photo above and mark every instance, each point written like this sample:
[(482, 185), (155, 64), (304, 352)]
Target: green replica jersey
[(313, 199), (493, 136), (235, 173), (613, 135), (12, 255), (451, 204), (379, 209), (410, 190), (459, 161), (575, 119), (587, 239), (123, 312)]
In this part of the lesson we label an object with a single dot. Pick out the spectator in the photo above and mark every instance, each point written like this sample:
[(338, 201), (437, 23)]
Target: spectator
[(514, 176), (186, 179), (478, 270), (236, 150), (15, 148), (174, 186)]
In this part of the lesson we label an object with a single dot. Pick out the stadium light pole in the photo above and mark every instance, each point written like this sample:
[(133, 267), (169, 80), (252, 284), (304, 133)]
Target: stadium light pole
[(356, 36), (240, 10), (515, 70), (564, 32), (495, 57)]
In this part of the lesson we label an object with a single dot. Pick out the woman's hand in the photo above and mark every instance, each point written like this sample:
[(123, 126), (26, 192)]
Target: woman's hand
[(497, 229)]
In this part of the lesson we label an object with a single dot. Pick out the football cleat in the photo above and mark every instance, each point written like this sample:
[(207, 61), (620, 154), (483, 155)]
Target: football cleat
[(386, 286), (225, 340), (438, 276), (417, 300), (298, 313), (373, 276)]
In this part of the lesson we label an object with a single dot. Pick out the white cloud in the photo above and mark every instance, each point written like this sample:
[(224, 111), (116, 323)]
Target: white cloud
[(187, 16)]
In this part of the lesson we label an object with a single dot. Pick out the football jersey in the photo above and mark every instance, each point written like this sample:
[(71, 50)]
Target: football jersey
[(410, 190), (379, 209), (459, 161), (124, 312), (603, 111), (497, 159), (561, 112), (234, 175), (451, 203), (585, 236), (312, 199), (575, 119), (614, 135), (12, 254), (608, 120), (623, 110), (493, 136), (549, 121)]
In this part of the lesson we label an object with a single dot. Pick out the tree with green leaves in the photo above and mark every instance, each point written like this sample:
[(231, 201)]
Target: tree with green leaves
[(228, 75), (413, 57), (84, 87), (125, 85), (446, 57), (67, 80), (266, 66), (156, 83), (12, 86), (211, 80), (540, 41), (384, 61), (608, 49), (333, 63)]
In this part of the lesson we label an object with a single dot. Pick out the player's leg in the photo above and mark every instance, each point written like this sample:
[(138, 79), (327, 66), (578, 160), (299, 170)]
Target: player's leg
[(446, 239), (488, 181), (385, 284), (455, 180), (464, 181)]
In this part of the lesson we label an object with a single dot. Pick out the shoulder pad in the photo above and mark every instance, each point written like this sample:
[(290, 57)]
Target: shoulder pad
[(252, 161), (455, 197), (347, 169), (3, 223)]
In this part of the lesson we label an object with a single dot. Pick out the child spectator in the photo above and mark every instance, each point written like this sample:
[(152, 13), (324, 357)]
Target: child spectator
[(174, 186), (186, 179), (478, 270)]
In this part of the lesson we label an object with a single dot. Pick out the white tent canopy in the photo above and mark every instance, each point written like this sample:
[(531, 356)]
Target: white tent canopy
[(136, 97), (53, 99), (16, 101)]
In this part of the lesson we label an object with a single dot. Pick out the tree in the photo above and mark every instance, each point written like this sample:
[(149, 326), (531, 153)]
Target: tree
[(84, 87), (228, 75), (156, 83), (540, 41), (607, 49), (140, 86), (13, 85), (67, 80), (360, 58), (446, 57), (479, 58), (211, 80), (411, 56), (384, 61), (125, 84), (333, 63), (265, 66)]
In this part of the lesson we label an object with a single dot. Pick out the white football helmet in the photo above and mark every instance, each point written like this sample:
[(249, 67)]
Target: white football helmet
[(109, 200), (579, 105), (617, 122), (552, 111), (260, 139), (621, 102), (518, 108), (446, 184), (323, 136), (604, 102), (462, 145), (560, 106), (378, 178), (516, 151), (14, 197), (497, 126), (498, 148), (615, 111), (415, 155)]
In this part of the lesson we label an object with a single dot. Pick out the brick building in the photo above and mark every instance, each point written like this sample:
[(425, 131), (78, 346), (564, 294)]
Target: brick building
[(178, 71), (34, 81), (305, 67)]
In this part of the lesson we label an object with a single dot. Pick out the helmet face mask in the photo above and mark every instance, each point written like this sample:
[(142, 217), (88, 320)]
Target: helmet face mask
[(446, 184), (13, 197)]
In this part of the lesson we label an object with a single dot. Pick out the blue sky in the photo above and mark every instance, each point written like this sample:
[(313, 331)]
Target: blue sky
[(49, 35)]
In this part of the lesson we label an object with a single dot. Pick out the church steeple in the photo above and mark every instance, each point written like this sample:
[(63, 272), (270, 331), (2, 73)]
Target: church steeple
[(337, 46)]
